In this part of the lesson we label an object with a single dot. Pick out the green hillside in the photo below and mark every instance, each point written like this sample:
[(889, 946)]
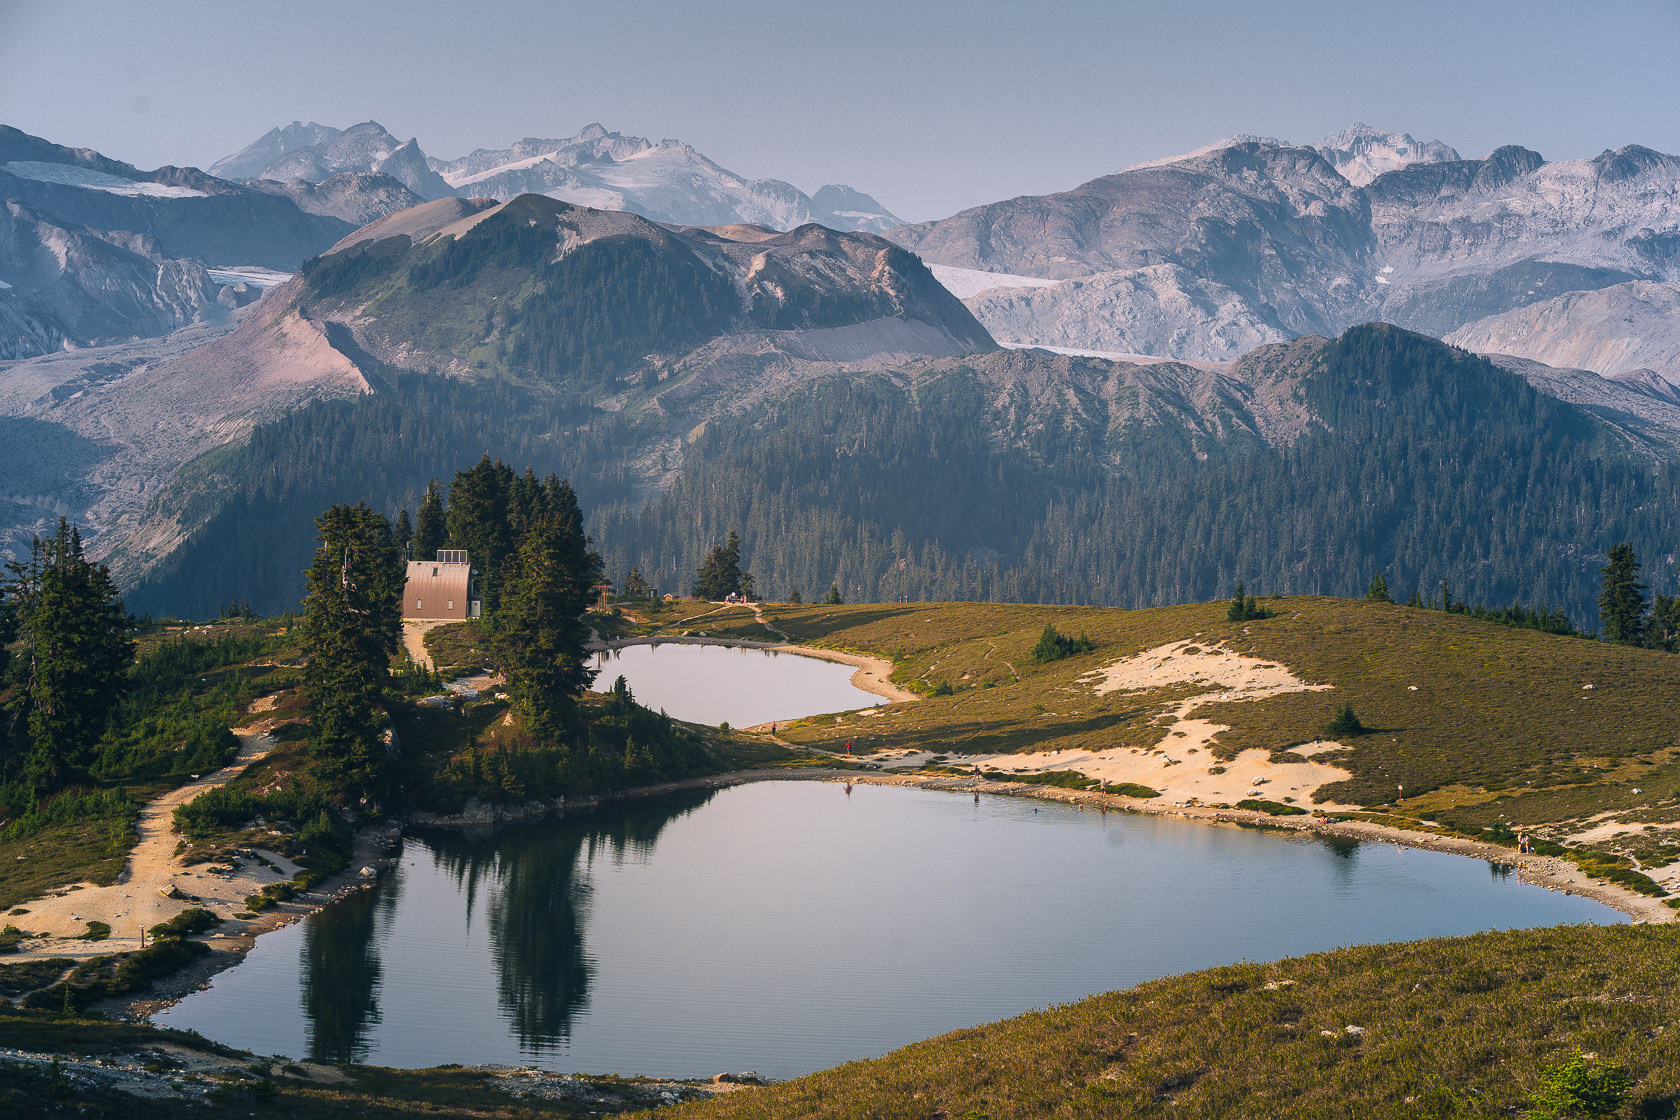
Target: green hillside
[(1499, 722), (1461, 1027)]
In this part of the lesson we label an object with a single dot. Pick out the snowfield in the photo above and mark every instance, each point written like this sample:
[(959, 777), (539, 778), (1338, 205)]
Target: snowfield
[(66, 175), (965, 282), (248, 274)]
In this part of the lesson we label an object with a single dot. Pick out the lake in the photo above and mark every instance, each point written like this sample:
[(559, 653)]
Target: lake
[(740, 686), (790, 926)]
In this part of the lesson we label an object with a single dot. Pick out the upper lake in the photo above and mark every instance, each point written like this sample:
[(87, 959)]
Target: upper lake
[(790, 926), (740, 686)]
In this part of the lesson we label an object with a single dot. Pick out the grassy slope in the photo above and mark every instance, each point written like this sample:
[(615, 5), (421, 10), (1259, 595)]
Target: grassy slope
[(1496, 708), (1458, 1027)]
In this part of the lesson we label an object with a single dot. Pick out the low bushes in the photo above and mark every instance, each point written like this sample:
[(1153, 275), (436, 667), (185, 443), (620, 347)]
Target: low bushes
[(184, 924), (1271, 808), (117, 975), (1617, 870)]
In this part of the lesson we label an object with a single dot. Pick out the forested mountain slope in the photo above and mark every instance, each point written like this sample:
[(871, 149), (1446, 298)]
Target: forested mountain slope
[(1307, 468), (538, 289)]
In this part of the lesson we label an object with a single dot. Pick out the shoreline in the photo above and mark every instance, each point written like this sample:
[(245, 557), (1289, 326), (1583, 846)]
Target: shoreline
[(378, 847), (229, 950)]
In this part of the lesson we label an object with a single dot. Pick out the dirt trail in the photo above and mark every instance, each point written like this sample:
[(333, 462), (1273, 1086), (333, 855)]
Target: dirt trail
[(135, 902), (758, 613), (414, 640)]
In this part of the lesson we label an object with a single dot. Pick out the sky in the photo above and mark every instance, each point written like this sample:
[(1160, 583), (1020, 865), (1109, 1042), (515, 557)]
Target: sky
[(930, 107)]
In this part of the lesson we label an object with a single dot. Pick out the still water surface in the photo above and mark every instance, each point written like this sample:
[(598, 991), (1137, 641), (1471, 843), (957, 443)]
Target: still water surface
[(790, 926), (737, 685)]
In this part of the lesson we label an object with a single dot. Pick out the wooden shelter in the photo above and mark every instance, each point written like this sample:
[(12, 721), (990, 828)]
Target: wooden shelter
[(441, 589)]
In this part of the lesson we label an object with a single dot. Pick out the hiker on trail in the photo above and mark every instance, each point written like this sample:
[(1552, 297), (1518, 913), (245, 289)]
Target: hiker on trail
[(848, 746)]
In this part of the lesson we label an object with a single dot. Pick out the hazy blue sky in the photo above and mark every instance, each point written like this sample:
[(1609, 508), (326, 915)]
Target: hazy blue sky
[(929, 106)]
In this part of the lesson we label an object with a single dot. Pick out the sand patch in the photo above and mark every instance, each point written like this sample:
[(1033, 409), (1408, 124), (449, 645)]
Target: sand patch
[(1227, 675), (1182, 768)]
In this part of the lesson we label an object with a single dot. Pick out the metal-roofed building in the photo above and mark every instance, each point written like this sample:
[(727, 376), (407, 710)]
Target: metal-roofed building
[(441, 589)]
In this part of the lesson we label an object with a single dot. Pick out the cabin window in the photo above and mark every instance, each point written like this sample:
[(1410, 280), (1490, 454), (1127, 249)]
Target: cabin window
[(451, 604), (417, 604), (434, 573)]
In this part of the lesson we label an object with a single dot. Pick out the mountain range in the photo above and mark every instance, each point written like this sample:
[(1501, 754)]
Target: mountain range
[(1254, 240), (666, 181), (841, 398)]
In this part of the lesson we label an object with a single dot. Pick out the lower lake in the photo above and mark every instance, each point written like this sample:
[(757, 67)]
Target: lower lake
[(790, 926), (741, 686)]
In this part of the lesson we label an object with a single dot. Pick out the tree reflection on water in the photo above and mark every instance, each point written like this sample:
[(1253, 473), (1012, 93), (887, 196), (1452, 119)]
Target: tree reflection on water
[(341, 972), (536, 883)]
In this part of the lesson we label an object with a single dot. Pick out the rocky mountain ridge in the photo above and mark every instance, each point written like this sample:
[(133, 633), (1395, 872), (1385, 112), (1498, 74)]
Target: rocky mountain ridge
[(1200, 256)]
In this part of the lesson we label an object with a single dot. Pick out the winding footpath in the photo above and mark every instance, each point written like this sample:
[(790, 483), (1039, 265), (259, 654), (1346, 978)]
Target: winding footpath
[(138, 899)]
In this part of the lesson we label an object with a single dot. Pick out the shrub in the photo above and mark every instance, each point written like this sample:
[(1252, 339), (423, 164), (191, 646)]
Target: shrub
[(1344, 723), (1053, 646), (1580, 1088), (1243, 608), (96, 931), (943, 688), (10, 937), (186, 923), (1270, 808), (1133, 789)]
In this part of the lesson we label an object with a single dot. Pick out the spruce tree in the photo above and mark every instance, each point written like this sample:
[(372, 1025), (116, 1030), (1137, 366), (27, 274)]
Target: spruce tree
[(405, 532), (796, 599), (833, 599), (635, 587), (1664, 629), (479, 522), (77, 650), (1378, 591), (720, 576), (351, 629), (541, 634), (431, 532), (1621, 599)]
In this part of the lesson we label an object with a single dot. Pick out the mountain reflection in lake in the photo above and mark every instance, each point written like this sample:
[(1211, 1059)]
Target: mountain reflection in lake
[(789, 926)]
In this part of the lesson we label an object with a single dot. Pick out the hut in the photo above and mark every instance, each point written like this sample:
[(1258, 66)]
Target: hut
[(441, 589)]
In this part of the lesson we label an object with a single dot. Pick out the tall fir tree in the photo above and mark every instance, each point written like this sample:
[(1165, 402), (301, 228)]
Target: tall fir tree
[(77, 653), (541, 633), (1621, 597), (720, 576), (405, 532), (1664, 629), (479, 522), (431, 531), (351, 629)]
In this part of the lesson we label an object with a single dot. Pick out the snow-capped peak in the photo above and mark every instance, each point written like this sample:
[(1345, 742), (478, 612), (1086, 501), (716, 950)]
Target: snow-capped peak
[(1205, 149), (1361, 152)]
